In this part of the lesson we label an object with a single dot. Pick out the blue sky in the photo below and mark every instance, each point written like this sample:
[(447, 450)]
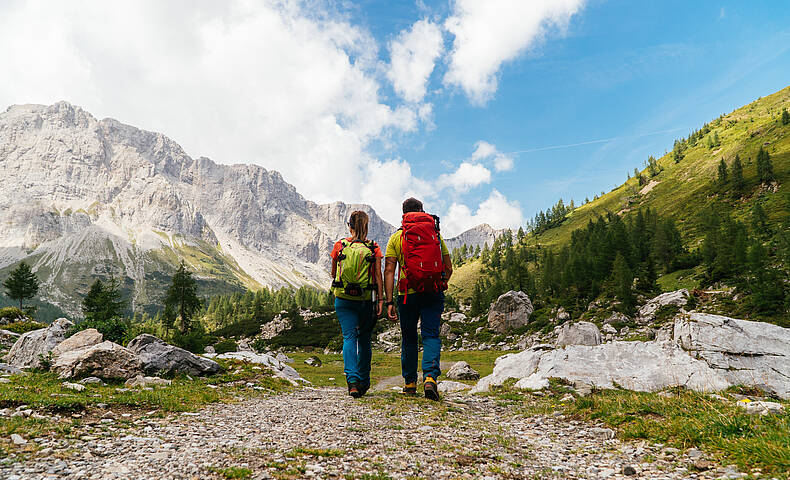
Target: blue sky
[(488, 110)]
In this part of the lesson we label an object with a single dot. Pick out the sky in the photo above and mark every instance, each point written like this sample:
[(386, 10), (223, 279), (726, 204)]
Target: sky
[(489, 110)]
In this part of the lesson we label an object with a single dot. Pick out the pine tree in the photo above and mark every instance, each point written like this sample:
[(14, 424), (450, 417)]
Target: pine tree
[(759, 219), (621, 282), (722, 172), (785, 117), (21, 284), (765, 170), (103, 301), (738, 183), (181, 300)]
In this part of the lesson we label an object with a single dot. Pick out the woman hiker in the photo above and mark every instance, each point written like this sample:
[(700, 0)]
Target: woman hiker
[(357, 286)]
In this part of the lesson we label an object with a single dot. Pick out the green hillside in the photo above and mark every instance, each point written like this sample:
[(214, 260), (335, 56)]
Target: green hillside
[(683, 187)]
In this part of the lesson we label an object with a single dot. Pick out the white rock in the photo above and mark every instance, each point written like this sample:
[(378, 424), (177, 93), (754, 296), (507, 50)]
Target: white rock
[(678, 298), (762, 408), (142, 381), (73, 386), (511, 310), (105, 360), (17, 439), (462, 371), (83, 338), (31, 346), (278, 368), (579, 333)]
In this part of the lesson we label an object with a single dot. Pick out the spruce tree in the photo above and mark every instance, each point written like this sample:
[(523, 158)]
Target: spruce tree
[(738, 184), (103, 301), (621, 282), (765, 170), (21, 284), (759, 219), (722, 172), (181, 300), (785, 117)]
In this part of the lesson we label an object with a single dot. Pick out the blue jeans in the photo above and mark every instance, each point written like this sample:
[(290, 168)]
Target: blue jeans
[(356, 323), (429, 308)]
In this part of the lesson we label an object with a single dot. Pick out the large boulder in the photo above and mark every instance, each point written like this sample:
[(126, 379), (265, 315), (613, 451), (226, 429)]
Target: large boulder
[(511, 310), (579, 333), (641, 366), (278, 368), (705, 353), (462, 371), (81, 339), (29, 349), (104, 360), (745, 353), (161, 358), (678, 298)]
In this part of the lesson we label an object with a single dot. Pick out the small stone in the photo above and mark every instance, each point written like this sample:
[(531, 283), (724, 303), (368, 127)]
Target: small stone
[(629, 470), (17, 439), (91, 381), (313, 361), (703, 465), (73, 386)]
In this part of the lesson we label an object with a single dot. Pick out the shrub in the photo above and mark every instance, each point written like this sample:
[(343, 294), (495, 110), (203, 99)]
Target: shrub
[(225, 346), (23, 326), (11, 314)]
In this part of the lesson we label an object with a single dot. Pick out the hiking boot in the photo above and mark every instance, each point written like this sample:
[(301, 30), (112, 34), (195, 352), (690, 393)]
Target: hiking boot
[(410, 388), (363, 388), (431, 391), (353, 390)]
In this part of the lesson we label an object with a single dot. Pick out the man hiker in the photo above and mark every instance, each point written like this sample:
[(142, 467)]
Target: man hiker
[(424, 267)]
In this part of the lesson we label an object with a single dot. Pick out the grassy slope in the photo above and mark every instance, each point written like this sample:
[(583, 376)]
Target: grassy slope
[(687, 188)]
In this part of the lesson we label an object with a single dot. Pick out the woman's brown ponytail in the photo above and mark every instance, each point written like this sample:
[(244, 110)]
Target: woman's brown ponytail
[(359, 223)]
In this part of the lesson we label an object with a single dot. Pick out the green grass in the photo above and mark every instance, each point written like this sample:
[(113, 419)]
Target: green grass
[(23, 326), (383, 365), (233, 472), (44, 392), (683, 420), (688, 279)]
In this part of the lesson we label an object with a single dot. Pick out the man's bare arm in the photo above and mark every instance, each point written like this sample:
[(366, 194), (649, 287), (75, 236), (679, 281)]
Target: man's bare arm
[(389, 277), (448, 267)]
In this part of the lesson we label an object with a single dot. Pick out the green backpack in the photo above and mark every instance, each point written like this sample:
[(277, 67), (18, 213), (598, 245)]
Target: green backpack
[(354, 278)]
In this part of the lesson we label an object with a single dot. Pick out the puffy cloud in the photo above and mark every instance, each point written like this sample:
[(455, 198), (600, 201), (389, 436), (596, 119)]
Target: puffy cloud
[(489, 33), (413, 56), (486, 151), (496, 211), (283, 84), (467, 176)]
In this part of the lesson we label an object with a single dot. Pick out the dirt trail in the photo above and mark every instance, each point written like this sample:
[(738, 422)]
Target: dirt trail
[(323, 433)]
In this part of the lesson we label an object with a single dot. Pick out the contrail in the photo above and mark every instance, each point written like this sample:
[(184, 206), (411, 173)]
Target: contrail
[(590, 142)]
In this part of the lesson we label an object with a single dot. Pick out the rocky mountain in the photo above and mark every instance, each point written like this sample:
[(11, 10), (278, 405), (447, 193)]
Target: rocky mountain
[(479, 235), (83, 198)]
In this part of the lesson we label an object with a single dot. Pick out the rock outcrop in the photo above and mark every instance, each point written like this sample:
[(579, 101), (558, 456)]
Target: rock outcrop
[(744, 352), (160, 358), (579, 333), (706, 353), (81, 339), (31, 347), (105, 360), (511, 310)]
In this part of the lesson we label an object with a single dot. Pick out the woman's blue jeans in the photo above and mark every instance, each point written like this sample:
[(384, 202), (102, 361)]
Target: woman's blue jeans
[(356, 322)]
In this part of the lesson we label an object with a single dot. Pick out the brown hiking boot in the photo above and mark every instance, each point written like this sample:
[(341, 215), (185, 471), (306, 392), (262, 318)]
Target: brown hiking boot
[(431, 390), (353, 390)]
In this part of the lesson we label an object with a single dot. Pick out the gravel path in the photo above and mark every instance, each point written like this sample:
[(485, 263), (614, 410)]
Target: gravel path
[(322, 433)]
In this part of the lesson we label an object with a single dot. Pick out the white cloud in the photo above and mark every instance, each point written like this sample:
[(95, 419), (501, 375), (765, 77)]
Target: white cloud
[(413, 56), (496, 211), (467, 176), (491, 32), (279, 83), (486, 151)]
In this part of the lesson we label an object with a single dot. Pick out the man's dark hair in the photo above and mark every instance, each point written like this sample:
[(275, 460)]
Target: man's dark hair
[(412, 205)]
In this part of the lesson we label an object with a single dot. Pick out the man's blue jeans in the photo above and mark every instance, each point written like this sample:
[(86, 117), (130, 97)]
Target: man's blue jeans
[(356, 323), (429, 308)]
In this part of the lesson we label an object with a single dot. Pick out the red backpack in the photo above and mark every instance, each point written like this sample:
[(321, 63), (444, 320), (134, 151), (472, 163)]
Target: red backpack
[(422, 254)]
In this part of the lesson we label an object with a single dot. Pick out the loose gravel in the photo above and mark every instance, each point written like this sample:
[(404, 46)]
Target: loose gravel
[(323, 433)]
